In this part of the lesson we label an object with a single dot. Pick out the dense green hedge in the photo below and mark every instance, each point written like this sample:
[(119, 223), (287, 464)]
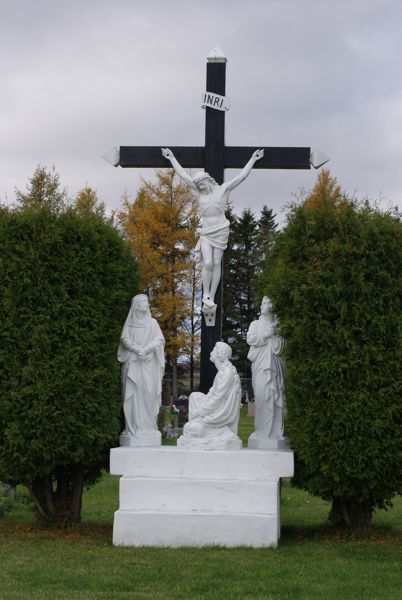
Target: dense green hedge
[(335, 278), (65, 288)]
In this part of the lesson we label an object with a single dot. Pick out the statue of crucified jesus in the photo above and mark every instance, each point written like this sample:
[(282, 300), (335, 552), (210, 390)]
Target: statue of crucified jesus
[(214, 232)]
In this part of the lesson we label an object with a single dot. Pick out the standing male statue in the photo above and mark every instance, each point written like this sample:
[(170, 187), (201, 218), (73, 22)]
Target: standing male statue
[(214, 417), (214, 232), (268, 379), (141, 352)]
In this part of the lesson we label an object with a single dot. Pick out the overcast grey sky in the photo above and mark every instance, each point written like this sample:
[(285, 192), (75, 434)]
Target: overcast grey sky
[(80, 77)]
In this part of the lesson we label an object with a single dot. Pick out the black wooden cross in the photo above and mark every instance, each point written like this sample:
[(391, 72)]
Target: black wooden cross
[(214, 157)]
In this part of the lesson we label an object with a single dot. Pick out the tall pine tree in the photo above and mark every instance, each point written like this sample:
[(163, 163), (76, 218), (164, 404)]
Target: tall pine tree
[(43, 191), (230, 283), (239, 285), (249, 245), (265, 238)]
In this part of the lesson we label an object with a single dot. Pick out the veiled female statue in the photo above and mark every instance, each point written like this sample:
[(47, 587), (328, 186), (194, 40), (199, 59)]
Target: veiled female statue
[(141, 352)]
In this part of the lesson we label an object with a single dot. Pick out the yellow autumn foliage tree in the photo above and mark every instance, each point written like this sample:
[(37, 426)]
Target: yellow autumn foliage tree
[(161, 226), (326, 189)]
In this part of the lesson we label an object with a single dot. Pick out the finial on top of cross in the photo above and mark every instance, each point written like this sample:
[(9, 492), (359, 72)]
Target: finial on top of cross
[(217, 55)]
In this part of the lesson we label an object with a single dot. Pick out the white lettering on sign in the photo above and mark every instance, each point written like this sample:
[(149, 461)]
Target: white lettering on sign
[(215, 101)]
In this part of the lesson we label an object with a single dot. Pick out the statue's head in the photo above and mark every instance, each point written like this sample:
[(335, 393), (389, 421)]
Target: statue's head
[(140, 313), (221, 351), (203, 181), (266, 306), (140, 303)]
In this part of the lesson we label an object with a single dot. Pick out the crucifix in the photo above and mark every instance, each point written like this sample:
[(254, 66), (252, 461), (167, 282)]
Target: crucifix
[(214, 158)]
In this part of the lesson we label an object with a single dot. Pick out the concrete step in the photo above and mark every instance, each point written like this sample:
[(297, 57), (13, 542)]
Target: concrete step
[(189, 494), (170, 461), (171, 529)]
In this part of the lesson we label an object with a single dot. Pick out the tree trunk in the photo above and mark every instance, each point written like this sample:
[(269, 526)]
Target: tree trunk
[(350, 513), (174, 377), (193, 324), (60, 506), (42, 495), (168, 379), (192, 369), (76, 494)]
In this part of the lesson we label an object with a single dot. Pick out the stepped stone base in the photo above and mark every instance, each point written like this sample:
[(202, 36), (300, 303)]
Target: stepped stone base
[(175, 497)]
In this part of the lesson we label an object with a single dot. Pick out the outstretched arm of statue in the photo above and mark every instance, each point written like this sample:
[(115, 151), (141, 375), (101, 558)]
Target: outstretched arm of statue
[(182, 173), (245, 172)]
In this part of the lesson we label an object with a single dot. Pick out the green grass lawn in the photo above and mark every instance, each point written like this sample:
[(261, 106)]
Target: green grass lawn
[(311, 562)]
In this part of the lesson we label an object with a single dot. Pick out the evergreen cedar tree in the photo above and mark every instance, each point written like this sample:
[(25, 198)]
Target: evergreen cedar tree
[(66, 280), (335, 279)]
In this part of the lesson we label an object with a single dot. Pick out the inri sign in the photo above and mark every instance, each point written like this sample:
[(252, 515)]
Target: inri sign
[(215, 101)]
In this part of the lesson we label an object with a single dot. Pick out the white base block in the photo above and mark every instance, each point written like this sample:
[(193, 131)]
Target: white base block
[(175, 497), (176, 530), (171, 461), (208, 495)]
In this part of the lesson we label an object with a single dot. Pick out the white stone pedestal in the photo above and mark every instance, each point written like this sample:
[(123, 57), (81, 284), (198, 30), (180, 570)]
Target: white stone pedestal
[(174, 497)]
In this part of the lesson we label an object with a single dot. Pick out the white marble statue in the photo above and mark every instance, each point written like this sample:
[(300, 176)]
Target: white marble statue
[(214, 232), (214, 417), (268, 379), (141, 352)]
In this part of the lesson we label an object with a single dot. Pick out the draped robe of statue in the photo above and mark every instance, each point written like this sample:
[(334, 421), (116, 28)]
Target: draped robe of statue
[(141, 377), (268, 379), (214, 417)]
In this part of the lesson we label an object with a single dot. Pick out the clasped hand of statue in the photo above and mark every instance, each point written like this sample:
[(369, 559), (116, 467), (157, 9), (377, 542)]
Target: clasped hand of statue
[(140, 351), (269, 330)]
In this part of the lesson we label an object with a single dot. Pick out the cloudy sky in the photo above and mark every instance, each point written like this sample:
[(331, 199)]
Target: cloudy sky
[(80, 77)]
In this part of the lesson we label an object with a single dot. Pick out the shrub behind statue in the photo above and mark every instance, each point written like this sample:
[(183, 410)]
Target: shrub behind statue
[(65, 285), (335, 282)]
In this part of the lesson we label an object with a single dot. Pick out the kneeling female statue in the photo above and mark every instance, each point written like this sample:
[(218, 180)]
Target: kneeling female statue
[(141, 353), (214, 417)]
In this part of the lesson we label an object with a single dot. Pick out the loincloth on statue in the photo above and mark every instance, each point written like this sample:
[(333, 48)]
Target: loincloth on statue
[(216, 236)]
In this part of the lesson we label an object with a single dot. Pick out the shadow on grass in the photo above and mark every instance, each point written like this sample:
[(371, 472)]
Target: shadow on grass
[(82, 531), (329, 533)]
